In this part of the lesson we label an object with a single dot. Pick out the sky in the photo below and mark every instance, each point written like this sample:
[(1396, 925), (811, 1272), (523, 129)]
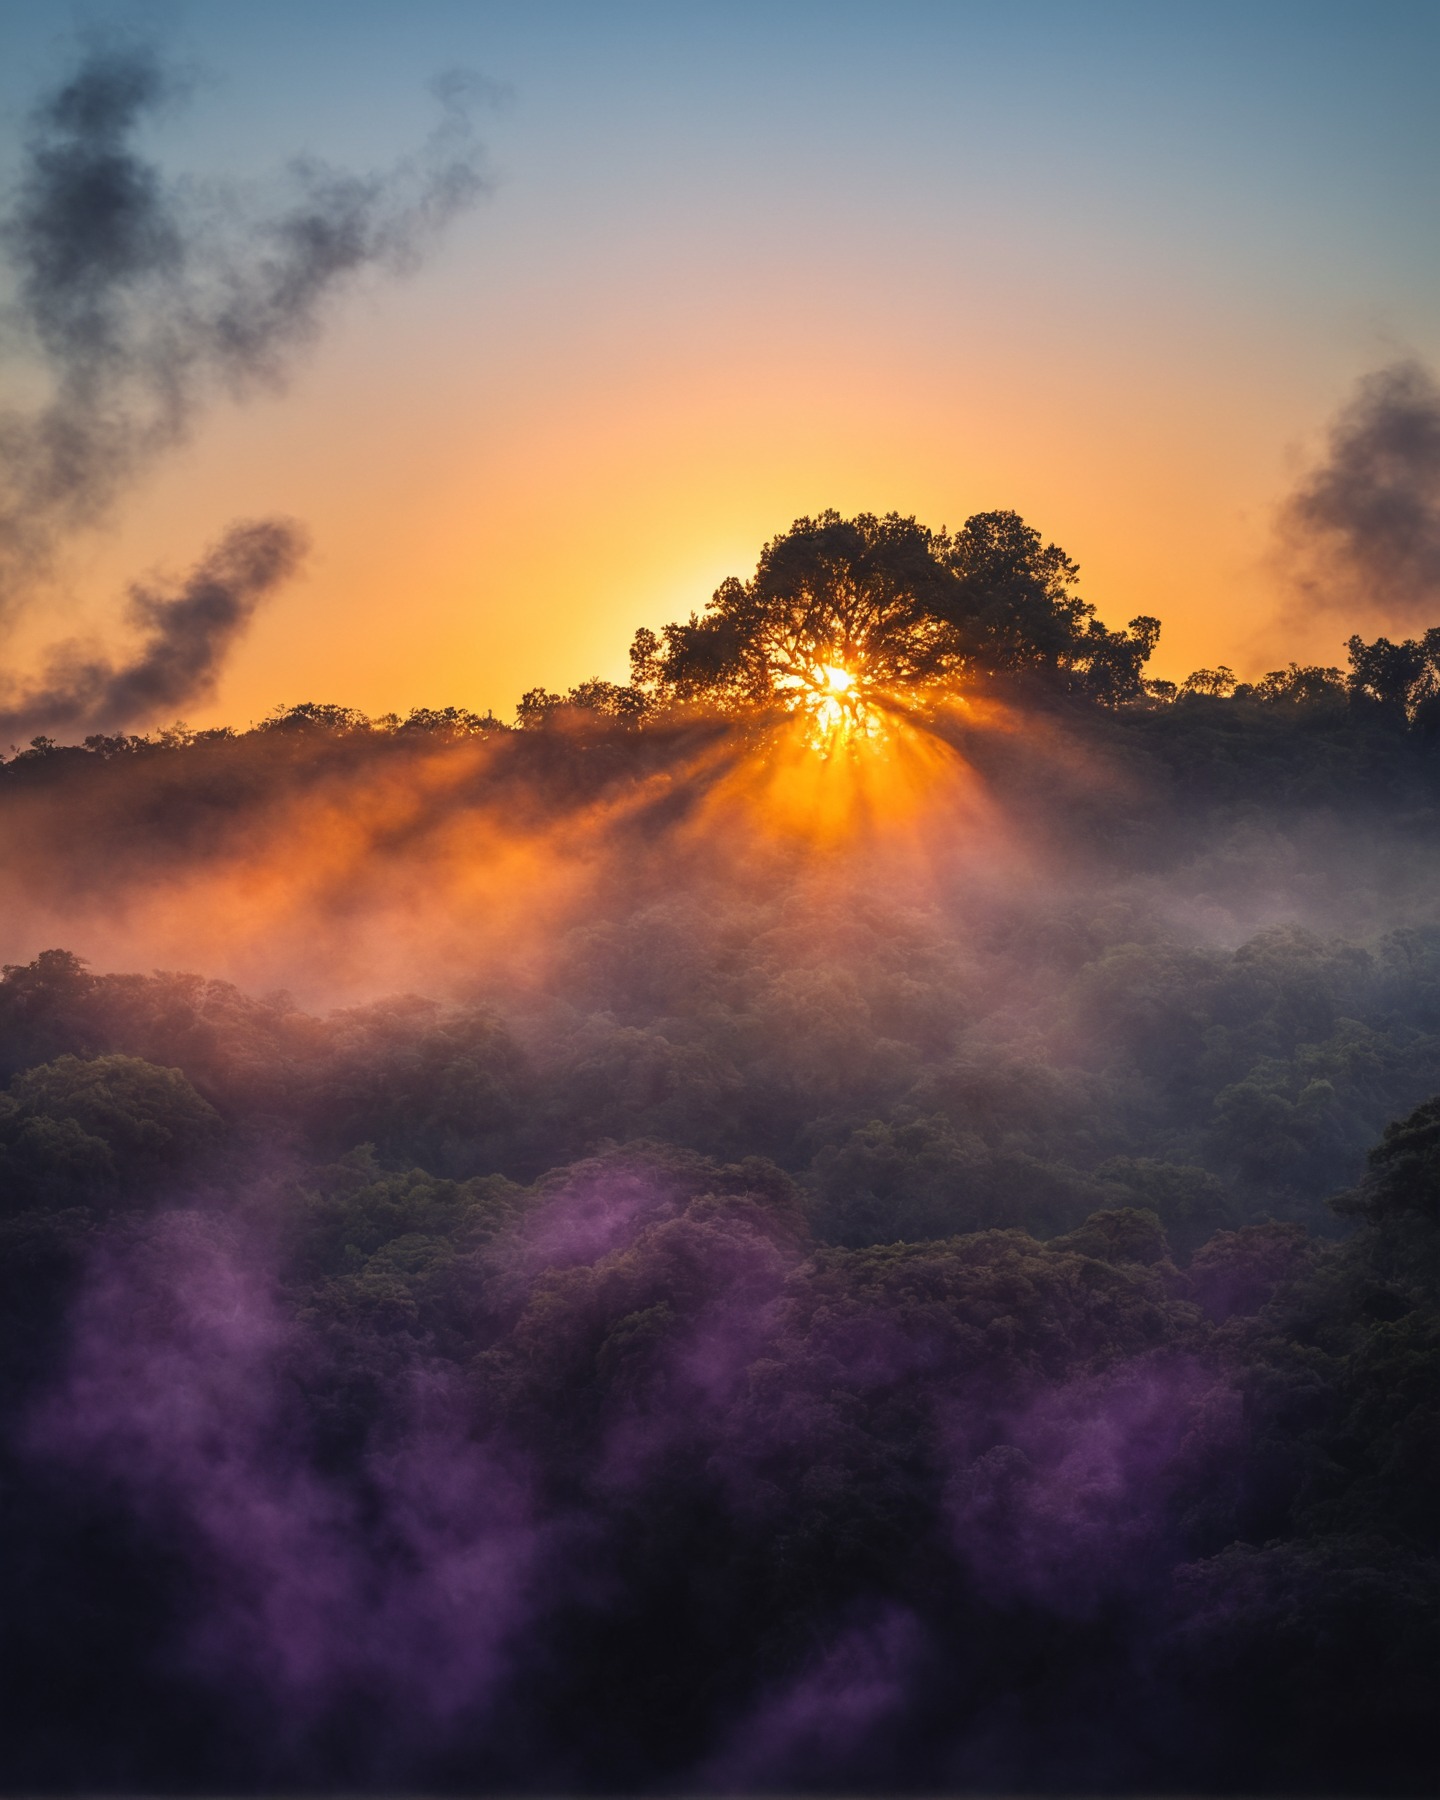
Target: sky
[(1114, 266)]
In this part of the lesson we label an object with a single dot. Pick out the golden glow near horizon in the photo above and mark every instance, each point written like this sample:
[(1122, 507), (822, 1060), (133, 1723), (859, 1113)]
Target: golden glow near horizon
[(832, 699), (550, 436)]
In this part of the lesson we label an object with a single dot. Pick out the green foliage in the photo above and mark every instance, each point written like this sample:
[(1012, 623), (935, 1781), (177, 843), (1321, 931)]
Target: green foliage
[(1190, 1203), (42, 1009), (1213, 1087), (103, 1128), (418, 1081), (356, 1211), (993, 1307), (1345, 1619), (142, 1113), (1119, 1235), (1403, 1178), (1239, 1271), (919, 1179), (814, 1239)]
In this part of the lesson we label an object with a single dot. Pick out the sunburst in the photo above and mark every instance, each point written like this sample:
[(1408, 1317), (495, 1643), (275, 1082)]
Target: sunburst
[(834, 701)]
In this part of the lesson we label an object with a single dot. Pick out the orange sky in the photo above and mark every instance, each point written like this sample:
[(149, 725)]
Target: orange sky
[(478, 532), (1117, 279)]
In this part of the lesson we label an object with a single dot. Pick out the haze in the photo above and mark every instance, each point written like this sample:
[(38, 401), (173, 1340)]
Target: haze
[(1116, 268)]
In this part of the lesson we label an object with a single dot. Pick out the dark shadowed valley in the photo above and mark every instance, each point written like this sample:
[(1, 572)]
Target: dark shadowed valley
[(656, 1249)]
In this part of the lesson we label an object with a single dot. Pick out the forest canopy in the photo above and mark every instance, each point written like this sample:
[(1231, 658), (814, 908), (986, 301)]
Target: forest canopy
[(847, 618), (898, 608), (846, 621), (570, 1256)]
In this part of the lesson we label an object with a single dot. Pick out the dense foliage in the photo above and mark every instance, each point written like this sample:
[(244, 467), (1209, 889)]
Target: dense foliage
[(343, 1471), (948, 1306), (902, 606)]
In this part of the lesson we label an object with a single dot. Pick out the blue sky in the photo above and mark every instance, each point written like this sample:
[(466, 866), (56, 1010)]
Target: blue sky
[(1115, 265)]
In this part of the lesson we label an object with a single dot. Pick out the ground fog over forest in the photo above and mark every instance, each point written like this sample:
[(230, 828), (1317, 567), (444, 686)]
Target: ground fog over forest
[(853, 1213), (668, 1248)]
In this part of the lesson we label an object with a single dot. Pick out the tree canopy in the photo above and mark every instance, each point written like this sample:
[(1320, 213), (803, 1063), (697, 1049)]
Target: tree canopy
[(894, 609), (756, 1278)]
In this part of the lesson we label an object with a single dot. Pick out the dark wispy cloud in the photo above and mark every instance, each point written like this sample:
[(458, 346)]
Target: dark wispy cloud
[(1363, 528), (185, 637), (141, 297)]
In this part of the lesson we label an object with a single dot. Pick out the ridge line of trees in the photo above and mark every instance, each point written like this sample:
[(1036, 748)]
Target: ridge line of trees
[(918, 613)]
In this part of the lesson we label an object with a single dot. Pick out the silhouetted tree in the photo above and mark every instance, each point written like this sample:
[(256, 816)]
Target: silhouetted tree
[(1301, 686), (1401, 682), (899, 608)]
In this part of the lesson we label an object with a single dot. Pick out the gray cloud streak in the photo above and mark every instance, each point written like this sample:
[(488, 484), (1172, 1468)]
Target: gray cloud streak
[(1364, 527), (186, 637), (143, 298)]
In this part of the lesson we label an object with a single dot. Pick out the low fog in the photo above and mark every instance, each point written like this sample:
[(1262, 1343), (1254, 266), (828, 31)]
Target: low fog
[(644, 1249), (856, 1213)]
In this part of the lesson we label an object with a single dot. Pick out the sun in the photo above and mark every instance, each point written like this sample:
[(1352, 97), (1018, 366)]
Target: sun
[(833, 700), (832, 705)]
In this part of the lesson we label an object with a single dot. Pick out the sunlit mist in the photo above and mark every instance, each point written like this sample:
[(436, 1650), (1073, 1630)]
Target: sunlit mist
[(834, 700)]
